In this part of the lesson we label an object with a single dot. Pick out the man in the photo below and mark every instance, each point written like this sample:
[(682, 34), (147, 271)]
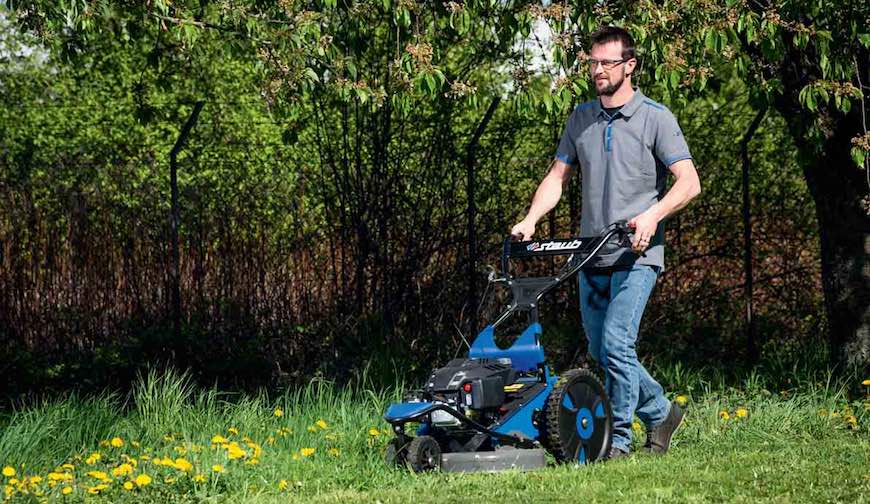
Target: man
[(624, 144)]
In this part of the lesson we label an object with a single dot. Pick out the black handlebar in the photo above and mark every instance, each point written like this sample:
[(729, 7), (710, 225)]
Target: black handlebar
[(587, 246), (526, 292)]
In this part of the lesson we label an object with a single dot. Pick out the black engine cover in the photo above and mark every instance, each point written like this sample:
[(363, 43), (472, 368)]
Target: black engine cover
[(485, 379)]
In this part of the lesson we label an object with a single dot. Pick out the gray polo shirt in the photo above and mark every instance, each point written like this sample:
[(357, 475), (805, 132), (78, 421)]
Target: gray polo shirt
[(624, 163)]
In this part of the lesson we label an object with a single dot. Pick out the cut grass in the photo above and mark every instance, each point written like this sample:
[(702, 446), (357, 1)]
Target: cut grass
[(787, 449)]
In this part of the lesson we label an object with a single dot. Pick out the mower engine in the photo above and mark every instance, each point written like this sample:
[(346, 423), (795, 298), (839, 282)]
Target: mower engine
[(475, 386)]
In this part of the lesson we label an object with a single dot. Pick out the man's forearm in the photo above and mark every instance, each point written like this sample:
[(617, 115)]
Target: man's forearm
[(546, 197), (681, 193)]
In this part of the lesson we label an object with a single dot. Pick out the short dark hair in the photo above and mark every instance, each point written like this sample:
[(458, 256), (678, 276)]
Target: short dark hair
[(609, 34)]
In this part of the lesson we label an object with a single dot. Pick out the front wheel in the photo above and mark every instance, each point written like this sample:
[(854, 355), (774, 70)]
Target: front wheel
[(424, 454), (395, 454)]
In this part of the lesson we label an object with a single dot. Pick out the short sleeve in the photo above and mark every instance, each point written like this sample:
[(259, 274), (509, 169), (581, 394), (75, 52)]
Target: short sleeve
[(670, 144), (567, 150)]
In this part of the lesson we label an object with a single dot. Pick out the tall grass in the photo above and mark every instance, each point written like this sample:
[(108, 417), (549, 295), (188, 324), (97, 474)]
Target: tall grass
[(340, 426)]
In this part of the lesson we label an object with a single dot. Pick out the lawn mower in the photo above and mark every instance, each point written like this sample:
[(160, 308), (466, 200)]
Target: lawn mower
[(501, 408)]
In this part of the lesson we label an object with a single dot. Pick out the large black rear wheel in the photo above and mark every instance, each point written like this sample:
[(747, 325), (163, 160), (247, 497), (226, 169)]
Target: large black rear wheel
[(578, 420)]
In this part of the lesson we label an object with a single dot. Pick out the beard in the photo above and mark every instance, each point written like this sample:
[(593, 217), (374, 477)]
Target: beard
[(611, 87)]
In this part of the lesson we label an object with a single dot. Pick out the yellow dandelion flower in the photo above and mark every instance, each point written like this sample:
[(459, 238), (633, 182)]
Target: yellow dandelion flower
[(66, 490), (35, 480), (257, 449), (100, 475), (68, 467), (282, 485), (307, 452), (278, 412), (234, 451), (335, 452), (635, 426), (93, 458), (741, 412), (374, 432), (98, 488), (169, 480), (217, 468), (270, 440), (252, 461), (56, 476), (105, 443), (142, 480), (218, 439), (128, 485), (233, 431), (134, 444), (169, 437), (866, 382), (122, 470), (8, 471), (852, 421), (724, 415), (117, 442), (181, 450), (682, 400), (312, 428), (183, 465), (835, 414), (322, 424), (199, 478)]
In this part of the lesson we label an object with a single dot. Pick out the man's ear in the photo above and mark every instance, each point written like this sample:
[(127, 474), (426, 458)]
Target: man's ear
[(629, 66)]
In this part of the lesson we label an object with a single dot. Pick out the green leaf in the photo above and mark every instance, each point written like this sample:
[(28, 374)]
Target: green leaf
[(710, 41), (823, 93), (811, 99), (864, 38), (846, 105), (675, 79), (858, 155), (430, 82)]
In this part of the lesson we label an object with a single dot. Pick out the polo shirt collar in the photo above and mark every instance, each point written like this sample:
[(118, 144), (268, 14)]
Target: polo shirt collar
[(629, 108)]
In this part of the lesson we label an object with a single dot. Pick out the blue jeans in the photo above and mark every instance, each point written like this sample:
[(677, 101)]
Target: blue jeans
[(612, 303)]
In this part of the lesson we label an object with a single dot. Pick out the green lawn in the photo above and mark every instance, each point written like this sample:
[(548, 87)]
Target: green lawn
[(805, 444)]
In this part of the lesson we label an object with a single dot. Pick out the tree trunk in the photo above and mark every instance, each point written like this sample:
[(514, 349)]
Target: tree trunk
[(837, 187)]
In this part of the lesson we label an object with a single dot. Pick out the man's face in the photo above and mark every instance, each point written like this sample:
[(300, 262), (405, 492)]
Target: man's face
[(609, 78)]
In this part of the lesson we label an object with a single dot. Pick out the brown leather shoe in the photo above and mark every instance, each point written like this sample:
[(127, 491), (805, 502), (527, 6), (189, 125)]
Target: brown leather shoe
[(658, 438)]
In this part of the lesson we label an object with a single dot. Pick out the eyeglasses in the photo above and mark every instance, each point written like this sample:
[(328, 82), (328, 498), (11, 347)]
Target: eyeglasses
[(607, 64)]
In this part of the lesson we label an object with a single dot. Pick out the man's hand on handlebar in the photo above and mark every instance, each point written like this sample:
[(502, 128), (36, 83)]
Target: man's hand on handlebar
[(644, 226), (523, 230)]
